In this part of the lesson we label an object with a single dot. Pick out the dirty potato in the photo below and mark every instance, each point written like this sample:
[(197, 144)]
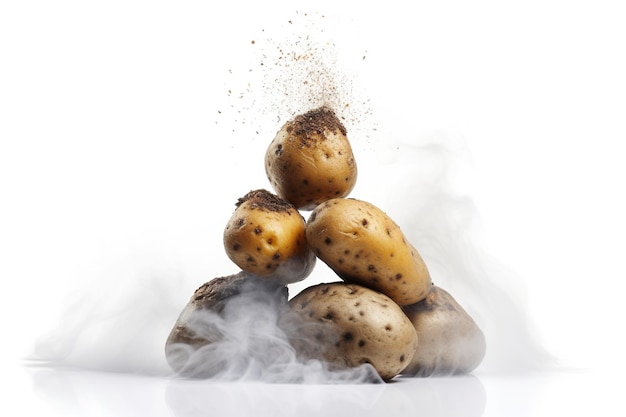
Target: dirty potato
[(347, 325), (450, 341), (266, 237), (310, 160), (363, 245), (204, 322)]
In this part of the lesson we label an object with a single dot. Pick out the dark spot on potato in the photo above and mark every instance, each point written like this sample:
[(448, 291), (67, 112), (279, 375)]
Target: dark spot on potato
[(398, 276), (353, 290), (361, 343), (236, 246), (258, 249), (340, 260), (371, 268), (401, 358), (361, 313), (269, 266), (347, 336), (276, 256), (324, 290), (319, 336), (312, 217), (270, 241), (249, 259), (305, 182), (329, 316), (346, 252), (257, 230), (358, 303), (241, 222), (364, 222), (388, 232), (388, 327), (279, 149), (328, 240)]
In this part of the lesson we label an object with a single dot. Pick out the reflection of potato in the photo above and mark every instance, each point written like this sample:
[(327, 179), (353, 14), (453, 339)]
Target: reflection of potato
[(450, 342), (363, 245), (346, 325), (310, 160), (266, 237)]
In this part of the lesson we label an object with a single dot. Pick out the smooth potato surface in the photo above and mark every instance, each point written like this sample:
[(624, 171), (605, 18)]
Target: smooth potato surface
[(363, 245), (450, 340), (346, 325)]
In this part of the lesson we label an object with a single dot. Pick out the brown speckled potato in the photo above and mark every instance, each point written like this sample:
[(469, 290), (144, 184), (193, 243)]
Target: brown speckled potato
[(363, 245), (450, 341), (310, 160), (346, 325), (266, 237)]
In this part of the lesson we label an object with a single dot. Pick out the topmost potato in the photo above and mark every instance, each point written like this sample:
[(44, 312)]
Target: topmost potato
[(310, 160)]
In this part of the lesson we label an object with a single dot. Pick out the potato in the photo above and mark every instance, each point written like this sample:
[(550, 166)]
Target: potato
[(346, 325), (310, 160), (450, 341), (202, 321), (266, 237), (363, 245)]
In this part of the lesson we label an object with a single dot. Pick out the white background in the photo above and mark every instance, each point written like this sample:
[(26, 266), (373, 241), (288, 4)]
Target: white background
[(117, 172)]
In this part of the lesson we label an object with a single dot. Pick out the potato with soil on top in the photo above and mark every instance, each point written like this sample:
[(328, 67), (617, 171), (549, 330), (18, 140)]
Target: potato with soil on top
[(363, 245), (347, 325), (310, 160), (208, 317), (450, 341), (266, 236)]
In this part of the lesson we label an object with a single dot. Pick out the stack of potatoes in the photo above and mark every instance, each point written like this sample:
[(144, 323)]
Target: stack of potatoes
[(384, 310)]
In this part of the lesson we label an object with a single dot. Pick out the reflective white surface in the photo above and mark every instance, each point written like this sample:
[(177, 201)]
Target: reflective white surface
[(81, 393)]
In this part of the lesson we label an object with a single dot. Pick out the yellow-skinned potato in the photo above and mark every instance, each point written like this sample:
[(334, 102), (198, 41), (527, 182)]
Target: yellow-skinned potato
[(266, 237), (347, 325), (310, 160), (450, 341), (363, 245)]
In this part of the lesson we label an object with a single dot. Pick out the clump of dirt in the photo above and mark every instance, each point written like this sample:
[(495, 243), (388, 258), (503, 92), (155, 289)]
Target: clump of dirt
[(315, 122), (263, 199)]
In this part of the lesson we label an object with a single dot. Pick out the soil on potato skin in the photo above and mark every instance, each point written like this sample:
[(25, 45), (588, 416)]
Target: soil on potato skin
[(312, 124), (263, 199)]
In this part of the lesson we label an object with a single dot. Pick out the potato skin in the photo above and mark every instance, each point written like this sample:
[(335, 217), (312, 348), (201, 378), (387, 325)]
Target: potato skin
[(363, 245), (197, 325), (450, 341), (346, 325), (266, 236), (310, 160)]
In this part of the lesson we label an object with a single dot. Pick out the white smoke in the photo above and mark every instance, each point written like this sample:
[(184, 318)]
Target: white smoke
[(120, 320)]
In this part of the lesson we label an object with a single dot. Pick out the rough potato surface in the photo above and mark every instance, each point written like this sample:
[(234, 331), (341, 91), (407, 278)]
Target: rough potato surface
[(363, 245), (196, 328), (346, 325), (310, 160), (450, 341), (266, 237)]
